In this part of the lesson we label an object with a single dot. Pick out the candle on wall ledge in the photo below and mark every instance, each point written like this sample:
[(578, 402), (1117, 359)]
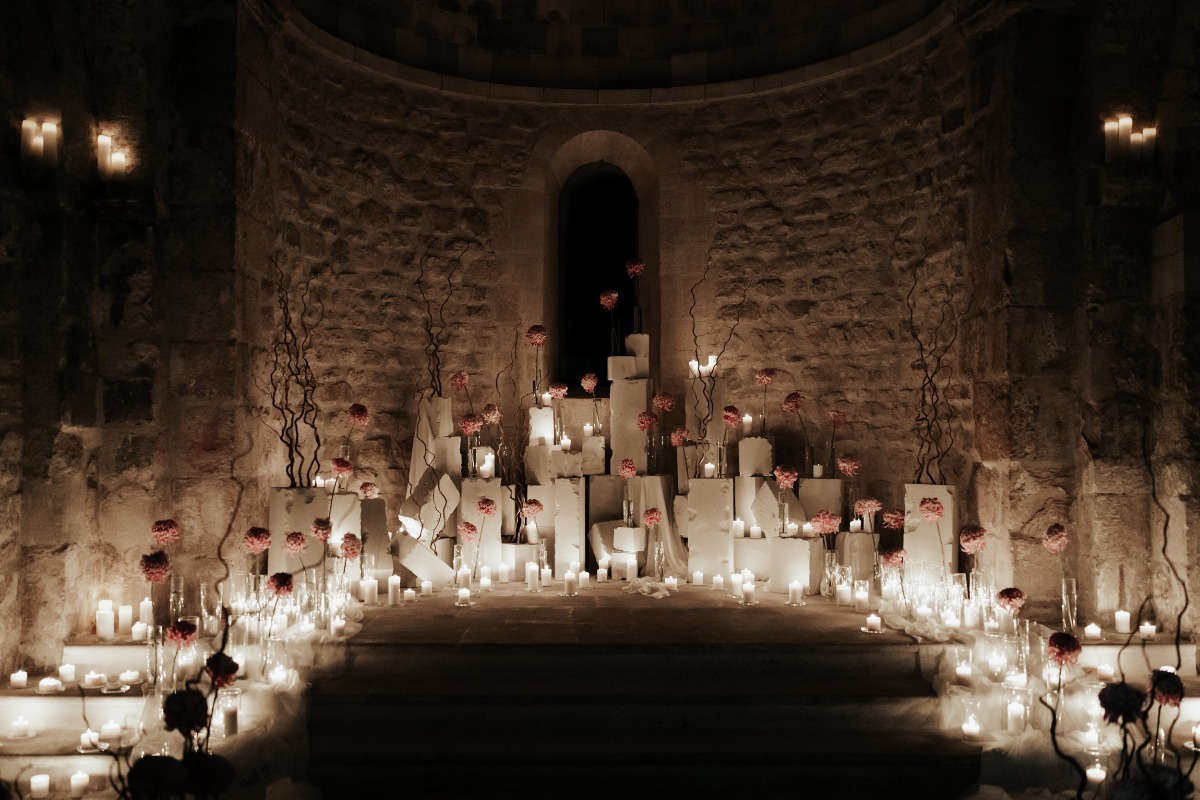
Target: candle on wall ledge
[(105, 620), (1147, 630), (39, 785), (146, 612), (737, 528), (704, 370), (792, 529), (129, 677), (20, 728), (710, 469), (19, 679), (66, 673), (110, 732), (1122, 622), (588, 429), (565, 444), (756, 532), (410, 595), (124, 620), (93, 680), (79, 784), (49, 685), (818, 471), (1092, 632)]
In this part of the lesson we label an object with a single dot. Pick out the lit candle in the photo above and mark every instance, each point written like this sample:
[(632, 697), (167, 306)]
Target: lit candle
[(88, 740), (486, 572), (370, 591), (631, 568), (601, 575), (1016, 680), (1106, 672), (29, 129), (818, 471), (748, 592), (951, 620), (1016, 716), (39, 785), (50, 142), (588, 429), (48, 685), (79, 784), (697, 578), (735, 584), (105, 620), (1149, 137), (710, 469), (279, 673), (1092, 632), (971, 616), (1110, 141), (573, 567), (229, 716), (464, 578), (531, 576), (37, 147), (545, 399), (862, 599), (570, 584), (337, 626), (20, 728), (146, 612), (1096, 774), (395, 591), (66, 673), (845, 596), (585, 580), (756, 532), (124, 620), (795, 592), (809, 530), (117, 165), (991, 626), (970, 728), (129, 677), (1147, 630), (718, 583), (855, 525), (485, 584), (19, 679), (1135, 147), (737, 528), (672, 583), (792, 529), (564, 444), (505, 572), (94, 680), (547, 576), (962, 674), (606, 562), (110, 732), (747, 424), (427, 588), (410, 595), (487, 470), (874, 623), (997, 662), (464, 597), (1124, 133), (103, 154)]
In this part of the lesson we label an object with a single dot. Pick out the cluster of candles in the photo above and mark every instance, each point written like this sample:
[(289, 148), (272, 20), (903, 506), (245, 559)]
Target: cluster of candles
[(39, 785), (110, 624), (110, 164), (40, 141), (1122, 143)]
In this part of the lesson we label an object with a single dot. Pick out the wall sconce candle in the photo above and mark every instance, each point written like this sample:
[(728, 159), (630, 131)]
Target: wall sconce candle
[(1122, 145), (110, 164)]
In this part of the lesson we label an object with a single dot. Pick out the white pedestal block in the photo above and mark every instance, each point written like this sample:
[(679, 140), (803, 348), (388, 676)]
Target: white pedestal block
[(930, 542), (631, 540), (796, 559), (539, 470), (605, 496), (508, 510), (817, 494), (541, 426), (657, 491), (710, 511), (593, 455), (487, 540), (566, 465), (766, 508), (517, 556), (621, 368), (745, 494), (680, 504), (629, 398), (547, 495), (619, 571), (416, 557), (754, 456), (294, 510), (435, 419), (374, 535), (858, 551), (754, 555), (638, 345), (433, 511), (448, 450), (569, 524)]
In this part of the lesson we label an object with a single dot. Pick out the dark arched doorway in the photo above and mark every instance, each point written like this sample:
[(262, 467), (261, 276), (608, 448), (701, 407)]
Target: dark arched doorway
[(597, 235)]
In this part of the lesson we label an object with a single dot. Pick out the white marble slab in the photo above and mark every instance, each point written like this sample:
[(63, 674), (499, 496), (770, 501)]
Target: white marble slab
[(710, 512)]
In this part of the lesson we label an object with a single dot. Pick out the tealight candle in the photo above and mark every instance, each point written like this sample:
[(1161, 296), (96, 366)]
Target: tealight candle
[(395, 591), (585, 580), (710, 470), (546, 398), (672, 583), (737, 528), (1096, 774), (718, 582), (20, 728), (1106, 672), (855, 525), (874, 623), (1122, 622), (139, 631), (89, 740), (19, 679), (464, 597), (66, 673), (39, 785), (410, 595), (505, 572), (697, 578), (48, 685), (756, 532), (129, 676), (971, 728), (1147, 630), (485, 584), (79, 784), (94, 680), (110, 732), (795, 592), (588, 429), (427, 588), (962, 674)]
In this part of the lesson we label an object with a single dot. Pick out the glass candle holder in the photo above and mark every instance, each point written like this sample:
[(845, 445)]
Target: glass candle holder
[(1015, 715), (971, 727), (229, 702), (845, 585)]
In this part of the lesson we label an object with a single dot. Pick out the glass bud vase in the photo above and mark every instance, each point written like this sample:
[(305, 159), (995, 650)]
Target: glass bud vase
[(614, 340), (829, 579), (651, 454), (597, 425), (627, 503), (1070, 600), (660, 558), (721, 447), (783, 513), (473, 455), (177, 598), (806, 458)]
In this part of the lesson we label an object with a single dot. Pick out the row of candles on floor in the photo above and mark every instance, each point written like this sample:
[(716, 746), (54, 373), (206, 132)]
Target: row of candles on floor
[(41, 141)]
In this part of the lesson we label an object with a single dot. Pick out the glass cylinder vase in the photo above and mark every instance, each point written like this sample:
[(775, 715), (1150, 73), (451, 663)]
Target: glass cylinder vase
[(627, 503), (178, 598), (806, 457), (829, 579), (1070, 604), (473, 455), (597, 425)]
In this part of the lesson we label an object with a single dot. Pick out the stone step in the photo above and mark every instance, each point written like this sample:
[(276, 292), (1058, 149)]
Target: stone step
[(66, 710), (16, 769), (111, 659)]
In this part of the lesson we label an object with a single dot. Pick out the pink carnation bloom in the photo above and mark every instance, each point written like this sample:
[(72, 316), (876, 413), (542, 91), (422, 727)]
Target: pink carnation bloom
[(486, 506), (351, 547), (156, 566), (470, 424), (635, 268), (589, 382), (491, 414), (1056, 539), (458, 381), (322, 529), (893, 520), (931, 509), (368, 490), (608, 299), (664, 401), (731, 415), (786, 476), (791, 403), (651, 517), (646, 420), (1010, 599), (558, 390), (972, 539), (295, 543), (1064, 649), (467, 531), (257, 540), (531, 508), (359, 416), (849, 466), (536, 335), (837, 419), (165, 531), (221, 669), (824, 522), (181, 633), (342, 468), (679, 437), (764, 377), (893, 557), (628, 468), (280, 584), (867, 507)]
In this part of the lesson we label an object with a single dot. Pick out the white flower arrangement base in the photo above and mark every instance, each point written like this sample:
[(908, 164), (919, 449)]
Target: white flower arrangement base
[(934, 543), (710, 513)]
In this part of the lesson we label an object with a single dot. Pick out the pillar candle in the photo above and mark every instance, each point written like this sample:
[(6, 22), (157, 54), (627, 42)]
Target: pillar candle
[(103, 154), (50, 142), (809, 530), (672, 582), (756, 532), (395, 591), (464, 596), (818, 471), (39, 785), (855, 525), (117, 165), (146, 612), (565, 444), (1110, 141), (427, 588), (66, 673), (410, 595), (129, 677), (370, 591), (337, 626), (748, 592), (570, 584), (585, 580), (1124, 132), (505, 572), (79, 784), (1016, 716), (862, 599), (845, 598), (602, 575), (93, 680), (747, 424), (485, 584), (718, 582), (874, 623), (710, 470), (464, 578), (1135, 147), (697, 578), (735, 584), (1121, 618), (486, 572), (1092, 632), (29, 129), (795, 592), (38, 147), (124, 620), (1149, 137), (588, 429), (606, 562), (547, 576), (737, 528), (105, 621), (139, 631), (19, 679), (631, 568), (792, 529), (531, 576)]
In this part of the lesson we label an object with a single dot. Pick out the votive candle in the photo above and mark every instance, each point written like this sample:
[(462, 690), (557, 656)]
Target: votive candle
[(79, 784), (1122, 622), (1092, 632), (410, 595), (874, 623), (39, 785), (697, 578), (19, 679)]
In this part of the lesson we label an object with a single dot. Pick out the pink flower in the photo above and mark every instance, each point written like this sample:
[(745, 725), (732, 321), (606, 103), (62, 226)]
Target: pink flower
[(893, 557), (664, 401), (486, 506), (536, 335), (531, 508), (458, 381), (608, 299), (589, 382), (837, 419), (470, 424), (181, 633), (257, 540), (849, 466), (679, 437), (646, 420), (1167, 687), (972, 539), (866, 507), (931, 509), (635, 268), (491, 414), (628, 468), (651, 517), (222, 670), (893, 520), (1010, 599), (558, 390), (731, 415), (351, 547), (786, 476), (322, 528), (359, 416), (467, 531), (165, 531), (825, 523), (342, 468), (280, 584), (764, 377), (156, 566), (295, 543), (185, 711), (791, 403), (368, 490), (1064, 649), (1056, 539)]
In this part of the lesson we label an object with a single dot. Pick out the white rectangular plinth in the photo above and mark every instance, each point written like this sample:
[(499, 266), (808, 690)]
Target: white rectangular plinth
[(857, 550), (541, 426), (629, 398), (621, 367), (593, 455), (631, 540), (416, 557), (754, 456), (569, 523), (374, 534), (933, 543), (567, 465), (539, 470), (448, 450), (796, 559), (435, 419), (710, 512), (517, 556), (745, 493), (487, 540), (754, 555)]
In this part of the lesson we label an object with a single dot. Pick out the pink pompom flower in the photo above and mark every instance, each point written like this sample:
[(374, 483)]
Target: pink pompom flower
[(589, 382), (486, 506), (849, 466), (664, 401), (1056, 539), (893, 557), (470, 424), (764, 377), (531, 508), (156, 566), (932, 509), (646, 421), (358, 414), (351, 547), (893, 520), (825, 522), (256, 540), (492, 414), (1010, 599), (731, 415), (1064, 649), (972, 539), (467, 531), (786, 476), (651, 517), (558, 390), (679, 437), (322, 529), (608, 299), (837, 419), (165, 531), (181, 633), (342, 468), (295, 543), (635, 268), (536, 335), (791, 403), (867, 507), (280, 584), (368, 490), (1166, 687), (628, 469), (222, 670), (459, 381)]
